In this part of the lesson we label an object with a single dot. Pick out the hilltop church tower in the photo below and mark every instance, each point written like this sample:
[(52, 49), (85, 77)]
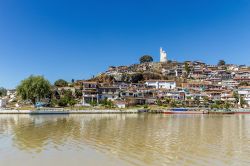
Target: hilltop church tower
[(163, 55)]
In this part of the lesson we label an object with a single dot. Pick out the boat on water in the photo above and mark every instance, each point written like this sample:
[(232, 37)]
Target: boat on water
[(221, 111), (142, 110), (241, 111), (179, 109), (184, 111), (38, 112)]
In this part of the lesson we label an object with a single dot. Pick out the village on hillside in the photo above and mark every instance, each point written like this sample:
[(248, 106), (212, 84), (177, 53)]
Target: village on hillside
[(166, 84)]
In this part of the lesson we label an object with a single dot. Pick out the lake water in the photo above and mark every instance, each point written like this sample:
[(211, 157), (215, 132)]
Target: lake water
[(120, 140)]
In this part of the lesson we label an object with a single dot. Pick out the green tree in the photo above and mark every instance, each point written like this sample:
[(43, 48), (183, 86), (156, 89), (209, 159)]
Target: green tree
[(197, 100), (242, 101), (107, 103), (70, 97), (53, 102), (78, 93), (68, 94), (135, 78), (145, 106), (158, 102), (214, 106), (187, 68), (63, 102), (244, 83), (72, 102), (34, 88), (3, 92), (61, 83), (173, 103), (227, 105), (93, 103), (205, 101), (221, 63), (146, 58), (110, 104), (236, 97), (167, 100)]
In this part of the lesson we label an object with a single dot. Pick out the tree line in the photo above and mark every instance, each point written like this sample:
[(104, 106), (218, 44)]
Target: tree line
[(36, 88)]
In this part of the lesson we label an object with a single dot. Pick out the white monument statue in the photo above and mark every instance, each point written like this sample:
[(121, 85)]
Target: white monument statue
[(163, 55)]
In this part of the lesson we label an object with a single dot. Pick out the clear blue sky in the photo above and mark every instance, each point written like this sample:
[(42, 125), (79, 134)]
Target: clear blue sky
[(77, 39)]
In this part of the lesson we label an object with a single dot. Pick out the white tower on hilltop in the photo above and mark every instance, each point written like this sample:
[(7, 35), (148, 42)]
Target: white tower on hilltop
[(163, 55)]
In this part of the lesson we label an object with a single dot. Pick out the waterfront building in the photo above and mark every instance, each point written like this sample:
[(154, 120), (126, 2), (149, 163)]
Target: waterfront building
[(109, 92), (244, 92), (120, 104), (228, 96), (161, 84), (2, 103), (214, 95), (231, 84), (89, 92)]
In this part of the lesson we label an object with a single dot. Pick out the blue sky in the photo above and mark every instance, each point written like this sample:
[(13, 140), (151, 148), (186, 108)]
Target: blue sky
[(78, 39)]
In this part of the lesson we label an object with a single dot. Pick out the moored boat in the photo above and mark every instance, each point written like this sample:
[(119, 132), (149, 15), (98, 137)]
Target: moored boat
[(184, 112), (142, 110), (221, 111), (241, 111), (36, 112)]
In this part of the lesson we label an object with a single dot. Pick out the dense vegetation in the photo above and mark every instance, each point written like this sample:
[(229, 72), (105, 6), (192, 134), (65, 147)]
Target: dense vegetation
[(146, 58), (34, 88), (3, 92), (61, 83), (221, 63)]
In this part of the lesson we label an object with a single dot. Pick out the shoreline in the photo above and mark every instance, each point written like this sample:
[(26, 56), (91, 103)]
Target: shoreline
[(69, 111), (126, 111)]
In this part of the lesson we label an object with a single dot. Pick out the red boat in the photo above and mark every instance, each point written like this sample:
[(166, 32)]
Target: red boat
[(242, 112)]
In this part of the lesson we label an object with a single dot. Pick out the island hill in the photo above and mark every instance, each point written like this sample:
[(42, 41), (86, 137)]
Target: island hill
[(149, 84)]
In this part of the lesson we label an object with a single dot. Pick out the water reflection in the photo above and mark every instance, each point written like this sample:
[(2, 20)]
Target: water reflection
[(135, 139)]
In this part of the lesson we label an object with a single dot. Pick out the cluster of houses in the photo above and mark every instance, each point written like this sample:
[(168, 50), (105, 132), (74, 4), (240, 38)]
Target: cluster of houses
[(149, 92), (192, 83), (187, 82)]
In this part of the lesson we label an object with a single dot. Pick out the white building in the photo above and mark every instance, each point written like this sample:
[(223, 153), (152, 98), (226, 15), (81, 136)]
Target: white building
[(161, 84), (120, 104), (11, 93), (2, 103), (245, 93), (163, 55), (229, 83)]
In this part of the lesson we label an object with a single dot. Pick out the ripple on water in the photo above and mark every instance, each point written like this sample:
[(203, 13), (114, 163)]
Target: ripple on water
[(134, 139)]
